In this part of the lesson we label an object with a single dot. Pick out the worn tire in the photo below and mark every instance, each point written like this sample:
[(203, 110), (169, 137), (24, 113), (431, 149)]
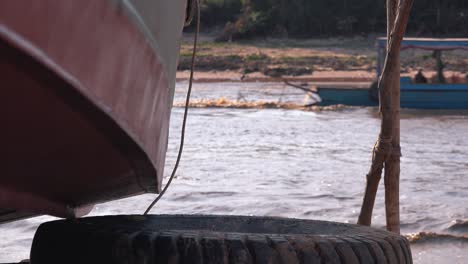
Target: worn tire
[(213, 239)]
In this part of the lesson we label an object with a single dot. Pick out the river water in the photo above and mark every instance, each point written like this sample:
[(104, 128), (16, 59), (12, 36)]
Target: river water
[(303, 164)]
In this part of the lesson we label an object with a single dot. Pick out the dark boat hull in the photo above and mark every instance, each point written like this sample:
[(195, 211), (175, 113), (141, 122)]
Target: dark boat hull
[(86, 98)]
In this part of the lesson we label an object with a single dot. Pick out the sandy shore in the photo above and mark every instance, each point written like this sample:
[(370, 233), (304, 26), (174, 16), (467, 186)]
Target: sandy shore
[(236, 76)]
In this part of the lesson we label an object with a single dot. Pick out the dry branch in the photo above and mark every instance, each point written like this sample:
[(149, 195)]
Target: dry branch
[(386, 152)]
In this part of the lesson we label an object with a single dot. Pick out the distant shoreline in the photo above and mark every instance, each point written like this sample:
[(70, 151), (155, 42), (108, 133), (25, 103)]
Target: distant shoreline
[(302, 60)]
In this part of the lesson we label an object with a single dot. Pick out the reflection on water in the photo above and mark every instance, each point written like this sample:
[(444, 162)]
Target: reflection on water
[(303, 164)]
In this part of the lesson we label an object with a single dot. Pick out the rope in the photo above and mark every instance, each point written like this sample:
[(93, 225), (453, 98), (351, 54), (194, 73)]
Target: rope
[(299, 87), (184, 122)]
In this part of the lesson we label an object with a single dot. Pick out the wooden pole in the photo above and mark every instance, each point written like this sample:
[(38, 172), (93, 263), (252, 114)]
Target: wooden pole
[(386, 150), (392, 164)]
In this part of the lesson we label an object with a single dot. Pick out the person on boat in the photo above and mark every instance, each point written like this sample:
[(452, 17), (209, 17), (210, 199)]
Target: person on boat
[(437, 55), (419, 77)]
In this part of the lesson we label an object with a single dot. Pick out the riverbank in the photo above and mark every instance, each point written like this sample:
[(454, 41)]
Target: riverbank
[(237, 76), (305, 60)]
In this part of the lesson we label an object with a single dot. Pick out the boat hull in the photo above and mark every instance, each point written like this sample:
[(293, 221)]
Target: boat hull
[(434, 96), (345, 96), (420, 96), (87, 90)]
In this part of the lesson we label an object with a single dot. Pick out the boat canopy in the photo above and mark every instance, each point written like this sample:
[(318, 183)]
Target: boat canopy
[(429, 43)]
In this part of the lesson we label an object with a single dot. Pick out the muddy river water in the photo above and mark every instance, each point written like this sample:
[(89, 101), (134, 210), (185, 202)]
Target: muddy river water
[(303, 164)]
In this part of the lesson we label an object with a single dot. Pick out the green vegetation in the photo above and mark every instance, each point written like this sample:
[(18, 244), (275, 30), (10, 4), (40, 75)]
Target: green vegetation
[(307, 18), (302, 56), (279, 56), (256, 57)]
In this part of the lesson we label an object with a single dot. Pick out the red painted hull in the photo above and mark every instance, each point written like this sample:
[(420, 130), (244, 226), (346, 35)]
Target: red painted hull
[(85, 103)]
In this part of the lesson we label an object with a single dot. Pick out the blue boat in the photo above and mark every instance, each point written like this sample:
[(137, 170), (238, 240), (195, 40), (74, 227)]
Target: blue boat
[(413, 94)]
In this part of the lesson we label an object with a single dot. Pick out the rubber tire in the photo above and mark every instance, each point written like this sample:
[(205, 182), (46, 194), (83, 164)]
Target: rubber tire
[(213, 239)]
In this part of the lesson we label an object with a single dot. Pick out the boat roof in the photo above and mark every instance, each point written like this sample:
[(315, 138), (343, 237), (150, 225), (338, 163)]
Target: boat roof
[(429, 43)]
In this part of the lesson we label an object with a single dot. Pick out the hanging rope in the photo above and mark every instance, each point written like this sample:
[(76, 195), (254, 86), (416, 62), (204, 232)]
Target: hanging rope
[(187, 101)]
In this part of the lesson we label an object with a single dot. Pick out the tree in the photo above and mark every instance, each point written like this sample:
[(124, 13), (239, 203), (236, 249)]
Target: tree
[(387, 152)]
